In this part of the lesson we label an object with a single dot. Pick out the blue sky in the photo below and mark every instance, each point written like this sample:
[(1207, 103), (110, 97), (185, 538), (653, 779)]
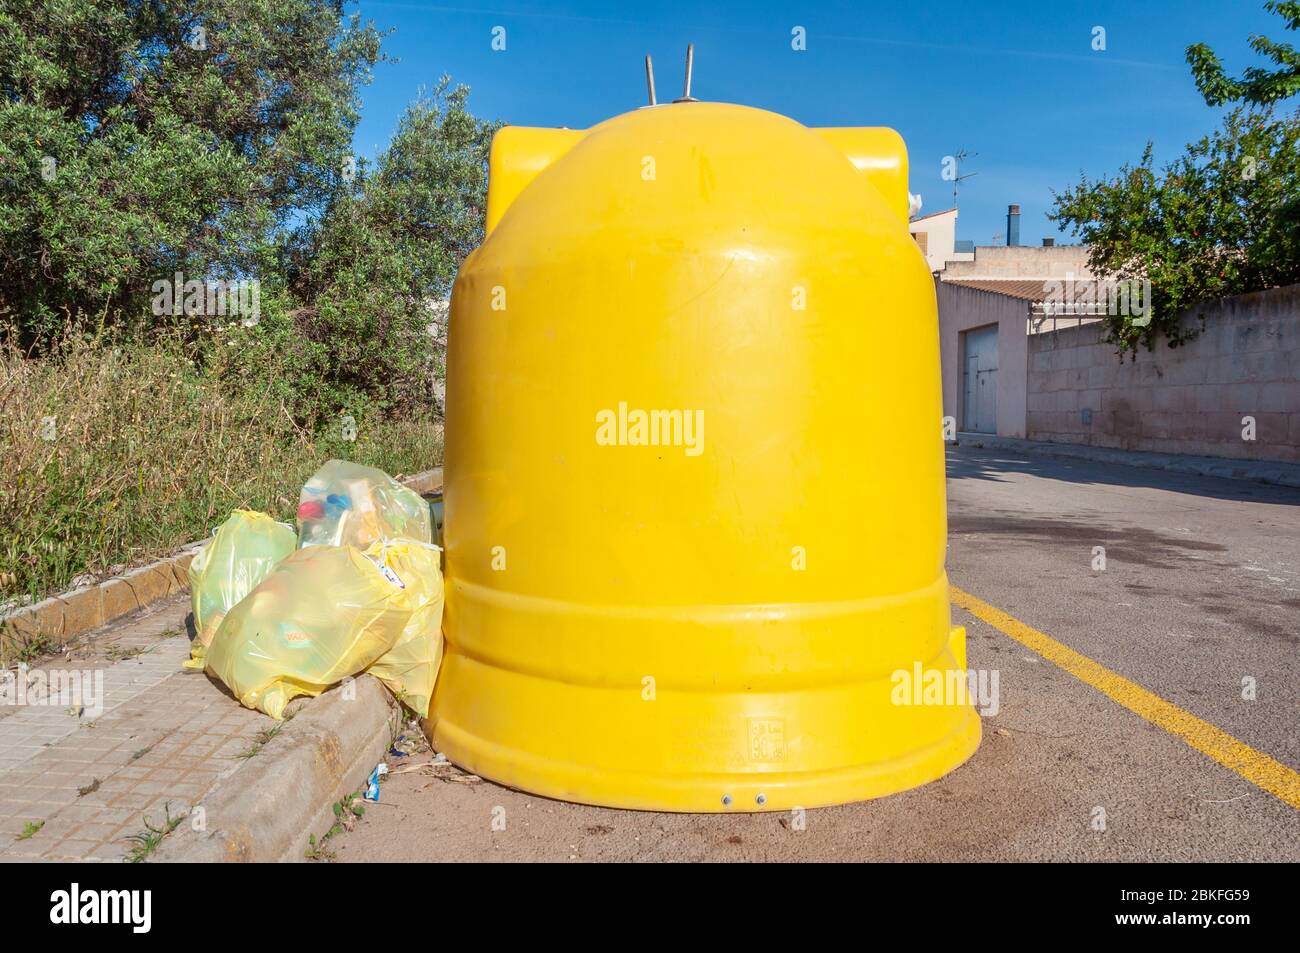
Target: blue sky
[(1016, 82)]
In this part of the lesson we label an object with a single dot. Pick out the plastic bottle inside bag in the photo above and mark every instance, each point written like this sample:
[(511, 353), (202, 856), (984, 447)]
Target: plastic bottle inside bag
[(347, 504)]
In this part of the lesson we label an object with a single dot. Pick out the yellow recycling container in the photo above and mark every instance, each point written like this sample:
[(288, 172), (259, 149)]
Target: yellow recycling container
[(695, 521)]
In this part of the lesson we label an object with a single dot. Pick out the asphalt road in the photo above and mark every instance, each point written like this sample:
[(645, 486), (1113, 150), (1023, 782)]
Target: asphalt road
[(1200, 590)]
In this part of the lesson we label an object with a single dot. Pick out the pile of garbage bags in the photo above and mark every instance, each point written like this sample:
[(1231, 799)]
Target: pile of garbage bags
[(357, 587)]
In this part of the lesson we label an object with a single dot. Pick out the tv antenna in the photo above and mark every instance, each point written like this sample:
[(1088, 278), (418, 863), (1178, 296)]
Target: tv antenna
[(957, 177)]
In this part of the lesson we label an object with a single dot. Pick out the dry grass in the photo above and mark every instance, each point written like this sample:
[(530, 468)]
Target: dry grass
[(150, 450)]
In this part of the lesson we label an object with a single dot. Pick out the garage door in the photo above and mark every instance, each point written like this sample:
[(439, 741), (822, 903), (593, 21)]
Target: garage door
[(980, 386)]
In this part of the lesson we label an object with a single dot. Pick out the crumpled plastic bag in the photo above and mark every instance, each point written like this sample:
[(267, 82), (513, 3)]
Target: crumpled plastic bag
[(347, 504), (410, 667), (241, 553), (327, 612)]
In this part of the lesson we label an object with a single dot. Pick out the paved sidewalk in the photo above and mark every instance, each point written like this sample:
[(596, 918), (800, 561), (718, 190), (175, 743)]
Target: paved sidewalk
[(1258, 471), (91, 779)]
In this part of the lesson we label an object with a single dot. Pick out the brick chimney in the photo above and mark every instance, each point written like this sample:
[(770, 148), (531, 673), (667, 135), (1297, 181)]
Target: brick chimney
[(1013, 224)]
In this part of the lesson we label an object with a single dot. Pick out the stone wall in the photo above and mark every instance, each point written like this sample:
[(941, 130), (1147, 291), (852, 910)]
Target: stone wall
[(1190, 399)]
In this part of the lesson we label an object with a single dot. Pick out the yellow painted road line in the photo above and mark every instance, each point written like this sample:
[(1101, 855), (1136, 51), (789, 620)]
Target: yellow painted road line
[(1255, 766)]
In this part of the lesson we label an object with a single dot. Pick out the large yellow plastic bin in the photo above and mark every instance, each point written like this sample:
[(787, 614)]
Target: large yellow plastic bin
[(694, 471)]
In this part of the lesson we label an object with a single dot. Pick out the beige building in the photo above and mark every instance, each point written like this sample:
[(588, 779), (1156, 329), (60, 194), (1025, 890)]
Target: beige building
[(1021, 262), (989, 305), (936, 236)]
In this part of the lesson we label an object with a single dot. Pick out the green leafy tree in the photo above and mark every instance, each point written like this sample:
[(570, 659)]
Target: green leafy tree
[(373, 271), (143, 137), (1222, 219), (1219, 220), (1257, 85)]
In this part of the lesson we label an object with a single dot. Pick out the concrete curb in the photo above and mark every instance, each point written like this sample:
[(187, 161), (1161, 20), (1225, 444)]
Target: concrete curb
[(75, 613), (1257, 471), (266, 810)]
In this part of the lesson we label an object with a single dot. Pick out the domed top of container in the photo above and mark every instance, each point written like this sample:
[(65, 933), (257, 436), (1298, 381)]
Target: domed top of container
[(694, 168)]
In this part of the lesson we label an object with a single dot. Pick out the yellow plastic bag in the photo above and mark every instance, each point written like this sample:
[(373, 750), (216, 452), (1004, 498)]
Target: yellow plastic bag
[(410, 667), (327, 612), (346, 504), (241, 553)]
